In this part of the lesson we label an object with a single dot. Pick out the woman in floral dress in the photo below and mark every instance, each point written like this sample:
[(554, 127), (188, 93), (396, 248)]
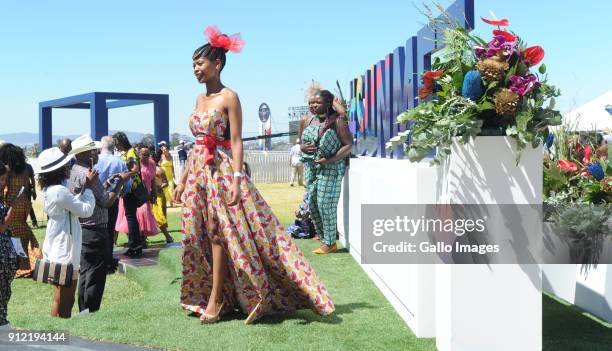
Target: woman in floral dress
[(236, 253)]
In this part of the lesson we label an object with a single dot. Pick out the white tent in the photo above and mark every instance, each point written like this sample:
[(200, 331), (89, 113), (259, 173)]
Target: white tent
[(595, 115)]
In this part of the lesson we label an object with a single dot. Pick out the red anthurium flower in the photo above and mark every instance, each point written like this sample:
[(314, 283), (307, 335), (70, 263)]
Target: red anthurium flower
[(424, 92), (502, 22), (533, 55), (428, 78), (507, 35), (568, 165), (587, 155)]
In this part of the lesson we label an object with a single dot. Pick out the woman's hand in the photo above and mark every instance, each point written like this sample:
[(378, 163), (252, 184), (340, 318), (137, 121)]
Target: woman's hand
[(308, 147), (235, 192), (323, 161), (178, 193), (339, 106)]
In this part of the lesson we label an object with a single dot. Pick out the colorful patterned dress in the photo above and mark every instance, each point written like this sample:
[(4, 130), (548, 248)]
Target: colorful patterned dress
[(324, 182), (19, 228), (267, 273)]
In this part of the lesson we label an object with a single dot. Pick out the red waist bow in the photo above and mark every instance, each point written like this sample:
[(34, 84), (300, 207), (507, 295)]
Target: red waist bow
[(211, 144)]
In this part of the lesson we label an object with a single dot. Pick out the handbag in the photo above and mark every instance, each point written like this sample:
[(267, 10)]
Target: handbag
[(54, 273)]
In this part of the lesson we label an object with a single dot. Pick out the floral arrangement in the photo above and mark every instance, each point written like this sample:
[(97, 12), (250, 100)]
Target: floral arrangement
[(479, 88), (578, 195)]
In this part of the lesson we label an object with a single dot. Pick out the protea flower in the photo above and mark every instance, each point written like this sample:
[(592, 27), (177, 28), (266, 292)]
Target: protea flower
[(506, 102), (472, 85), (606, 185), (550, 140), (596, 170), (491, 70)]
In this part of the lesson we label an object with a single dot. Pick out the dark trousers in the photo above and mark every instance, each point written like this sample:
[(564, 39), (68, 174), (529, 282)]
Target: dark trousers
[(110, 231), (93, 268), (33, 217), (134, 238)]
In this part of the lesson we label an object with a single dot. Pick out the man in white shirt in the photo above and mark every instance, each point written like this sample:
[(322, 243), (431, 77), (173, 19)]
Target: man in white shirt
[(297, 168)]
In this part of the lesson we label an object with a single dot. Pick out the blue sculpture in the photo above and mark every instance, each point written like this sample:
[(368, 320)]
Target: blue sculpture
[(391, 86), (98, 104)]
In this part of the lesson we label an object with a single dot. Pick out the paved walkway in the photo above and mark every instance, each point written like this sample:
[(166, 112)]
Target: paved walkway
[(150, 256)]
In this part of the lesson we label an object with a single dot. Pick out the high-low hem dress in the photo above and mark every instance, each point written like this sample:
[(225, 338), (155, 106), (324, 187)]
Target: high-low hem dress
[(267, 273)]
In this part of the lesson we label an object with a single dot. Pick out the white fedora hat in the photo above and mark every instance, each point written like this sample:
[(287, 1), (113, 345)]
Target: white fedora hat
[(82, 144), (51, 159)]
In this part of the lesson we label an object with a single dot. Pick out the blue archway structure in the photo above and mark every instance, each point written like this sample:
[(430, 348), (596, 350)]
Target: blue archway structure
[(98, 104)]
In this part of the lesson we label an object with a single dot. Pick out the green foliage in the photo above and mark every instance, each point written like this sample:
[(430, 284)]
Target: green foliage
[(436, 125)]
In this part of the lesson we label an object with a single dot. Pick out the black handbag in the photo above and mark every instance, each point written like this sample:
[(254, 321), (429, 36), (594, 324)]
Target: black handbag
[(54, 273)]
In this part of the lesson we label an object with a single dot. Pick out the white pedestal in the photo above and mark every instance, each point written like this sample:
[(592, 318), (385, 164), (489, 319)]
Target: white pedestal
[(594, 291), (409, 288), (560, 280), (494, 307)]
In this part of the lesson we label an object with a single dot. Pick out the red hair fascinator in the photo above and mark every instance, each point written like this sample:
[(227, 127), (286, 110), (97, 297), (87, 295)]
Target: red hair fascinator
[(233, 43)]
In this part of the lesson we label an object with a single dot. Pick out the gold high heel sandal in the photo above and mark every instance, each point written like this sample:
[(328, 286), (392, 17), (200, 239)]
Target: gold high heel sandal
[(321, 251), (209, 319)]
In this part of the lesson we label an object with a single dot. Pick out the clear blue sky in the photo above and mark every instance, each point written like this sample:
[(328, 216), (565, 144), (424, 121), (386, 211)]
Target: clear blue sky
[(53, 49)]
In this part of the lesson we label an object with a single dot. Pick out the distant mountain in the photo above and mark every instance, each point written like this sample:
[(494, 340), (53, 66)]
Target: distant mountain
[(29, 139)]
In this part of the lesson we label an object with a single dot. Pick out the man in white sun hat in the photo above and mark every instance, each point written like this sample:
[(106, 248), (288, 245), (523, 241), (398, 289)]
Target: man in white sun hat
[(63, 235), (94, 260)]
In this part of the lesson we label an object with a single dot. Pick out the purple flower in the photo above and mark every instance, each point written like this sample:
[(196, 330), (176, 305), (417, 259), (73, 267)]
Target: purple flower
[(523, 85), (498, 44)]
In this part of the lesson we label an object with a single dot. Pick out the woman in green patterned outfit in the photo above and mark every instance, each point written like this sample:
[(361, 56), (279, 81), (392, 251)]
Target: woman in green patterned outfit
[(326, 142)]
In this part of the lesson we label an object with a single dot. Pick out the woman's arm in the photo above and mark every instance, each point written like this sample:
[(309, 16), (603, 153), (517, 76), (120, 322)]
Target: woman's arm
[(81, 205), (162, 175), (235, 121), (7, 218), (345, 138), (300, 130)]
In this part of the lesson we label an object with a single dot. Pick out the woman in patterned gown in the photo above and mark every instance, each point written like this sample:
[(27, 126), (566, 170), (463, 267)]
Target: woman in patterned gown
[(18, 178), (236, 253)]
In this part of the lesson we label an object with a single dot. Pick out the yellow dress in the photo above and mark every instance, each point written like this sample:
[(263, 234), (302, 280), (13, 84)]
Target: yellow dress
[(159, 207), (168, 168)]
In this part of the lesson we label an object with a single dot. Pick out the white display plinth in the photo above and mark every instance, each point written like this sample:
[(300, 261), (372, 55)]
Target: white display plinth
[(490, 307), (590, 289), (594, 291), (408, 287)]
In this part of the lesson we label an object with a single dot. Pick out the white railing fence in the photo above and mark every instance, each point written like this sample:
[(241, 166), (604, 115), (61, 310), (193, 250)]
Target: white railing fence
[(266, 166)]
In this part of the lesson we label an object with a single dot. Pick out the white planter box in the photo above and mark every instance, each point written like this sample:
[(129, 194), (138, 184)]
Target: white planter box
[(409, 288), (490, 307), (594, 291)]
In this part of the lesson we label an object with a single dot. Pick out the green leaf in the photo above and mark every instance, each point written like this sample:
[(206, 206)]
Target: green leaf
[(486, 105), (552, 103)]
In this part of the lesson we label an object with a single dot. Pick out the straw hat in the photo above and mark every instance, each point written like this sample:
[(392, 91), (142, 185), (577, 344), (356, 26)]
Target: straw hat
[(82, 144), (51, 159)]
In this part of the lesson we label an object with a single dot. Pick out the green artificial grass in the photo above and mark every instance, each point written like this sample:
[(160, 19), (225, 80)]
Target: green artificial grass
[(142, 308), (567, 327)]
